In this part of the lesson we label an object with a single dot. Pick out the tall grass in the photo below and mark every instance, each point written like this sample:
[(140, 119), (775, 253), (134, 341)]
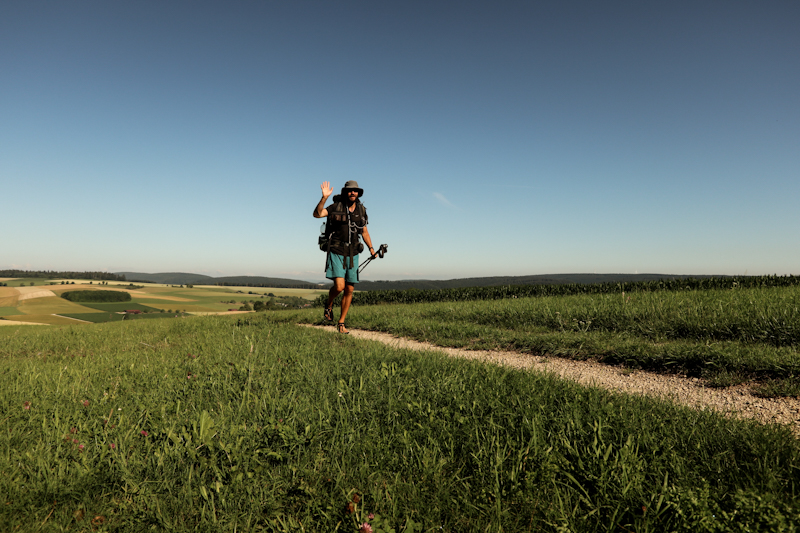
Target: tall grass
[(255, 424), (752, 333)]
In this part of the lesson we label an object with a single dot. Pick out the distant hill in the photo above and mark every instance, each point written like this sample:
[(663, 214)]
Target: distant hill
[(168, 278), (541, 279), (183, 278)]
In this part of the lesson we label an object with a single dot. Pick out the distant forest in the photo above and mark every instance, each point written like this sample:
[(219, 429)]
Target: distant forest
[(51, 274), (261, 281), (185, 278), (541, 279)]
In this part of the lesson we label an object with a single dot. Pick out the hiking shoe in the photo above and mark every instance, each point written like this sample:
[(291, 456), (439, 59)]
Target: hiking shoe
[(328, 315)]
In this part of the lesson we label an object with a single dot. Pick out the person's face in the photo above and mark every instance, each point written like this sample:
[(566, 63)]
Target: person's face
[(352, 196)]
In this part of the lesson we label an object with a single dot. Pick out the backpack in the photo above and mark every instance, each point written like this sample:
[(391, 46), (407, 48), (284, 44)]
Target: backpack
[(338, 214)]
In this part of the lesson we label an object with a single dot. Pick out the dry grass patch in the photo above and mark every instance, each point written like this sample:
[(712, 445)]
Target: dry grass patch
[(51, 306), (9, 296), (28, 293), (308, 294), (6, 322), (83, 287), (43, 320)]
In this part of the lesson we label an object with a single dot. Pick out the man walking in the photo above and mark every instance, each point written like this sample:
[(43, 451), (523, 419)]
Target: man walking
[(347, 220)]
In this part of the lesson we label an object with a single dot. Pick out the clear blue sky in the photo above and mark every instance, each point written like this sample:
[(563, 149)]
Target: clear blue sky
[(491, 138)]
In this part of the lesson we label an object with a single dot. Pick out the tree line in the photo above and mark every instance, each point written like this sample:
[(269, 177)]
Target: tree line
[(96, 296), (270, 285), (56, 274)]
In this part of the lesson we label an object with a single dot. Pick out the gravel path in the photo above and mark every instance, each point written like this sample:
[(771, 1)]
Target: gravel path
[(733, 401)]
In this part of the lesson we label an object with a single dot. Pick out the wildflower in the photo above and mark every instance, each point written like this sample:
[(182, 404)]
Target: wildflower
[(80, 447), (143, 432), (365, 528), (74, 441), (86, 403), (26, 406), (340, 395), (351, 508), (370, 516), (73, 430), (113, 446)]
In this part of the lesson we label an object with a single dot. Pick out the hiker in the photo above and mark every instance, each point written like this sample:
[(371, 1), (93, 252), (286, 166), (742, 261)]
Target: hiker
[(346, 221)]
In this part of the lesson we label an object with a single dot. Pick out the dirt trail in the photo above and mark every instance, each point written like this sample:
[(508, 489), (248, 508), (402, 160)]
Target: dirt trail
[(734, 401)]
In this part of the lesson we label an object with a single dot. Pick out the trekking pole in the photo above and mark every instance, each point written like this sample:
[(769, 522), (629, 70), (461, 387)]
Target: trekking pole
[(382, 249)]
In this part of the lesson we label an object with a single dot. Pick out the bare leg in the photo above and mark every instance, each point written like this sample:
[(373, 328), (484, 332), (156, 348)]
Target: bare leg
[(338, 286), (347, 299)]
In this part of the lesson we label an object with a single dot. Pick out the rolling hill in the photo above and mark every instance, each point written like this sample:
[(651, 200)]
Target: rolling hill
[(182, 278)]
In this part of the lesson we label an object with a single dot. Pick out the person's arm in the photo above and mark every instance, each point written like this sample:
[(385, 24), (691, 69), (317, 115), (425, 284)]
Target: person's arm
[(320, 210), (368, 241)]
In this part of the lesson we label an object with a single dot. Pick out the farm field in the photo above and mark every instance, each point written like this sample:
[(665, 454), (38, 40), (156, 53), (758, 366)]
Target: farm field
[(20, 301), (252, 423), (20, 282), (308, 294)]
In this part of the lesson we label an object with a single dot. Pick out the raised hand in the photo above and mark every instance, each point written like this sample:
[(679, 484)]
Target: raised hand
[(327, 190)]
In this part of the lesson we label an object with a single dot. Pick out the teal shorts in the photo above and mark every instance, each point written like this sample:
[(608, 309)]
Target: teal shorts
[(335, 268)]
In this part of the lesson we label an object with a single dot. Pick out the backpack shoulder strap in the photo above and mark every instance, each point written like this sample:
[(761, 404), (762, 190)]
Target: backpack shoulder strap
[(338, 204)]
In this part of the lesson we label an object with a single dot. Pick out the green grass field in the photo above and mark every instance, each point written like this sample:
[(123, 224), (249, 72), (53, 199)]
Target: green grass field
[(252, 423), (24, 282), (727, 336), (120, 306)]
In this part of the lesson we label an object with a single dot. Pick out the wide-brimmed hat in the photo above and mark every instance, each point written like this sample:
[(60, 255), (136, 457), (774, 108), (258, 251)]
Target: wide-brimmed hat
[(352, 185)]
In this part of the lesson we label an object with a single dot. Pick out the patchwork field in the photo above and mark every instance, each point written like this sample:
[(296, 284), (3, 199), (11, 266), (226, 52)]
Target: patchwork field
[(308, 294), (38, 301)]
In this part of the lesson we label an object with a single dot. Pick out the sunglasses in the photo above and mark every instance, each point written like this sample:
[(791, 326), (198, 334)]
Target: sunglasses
[(352, 192)]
